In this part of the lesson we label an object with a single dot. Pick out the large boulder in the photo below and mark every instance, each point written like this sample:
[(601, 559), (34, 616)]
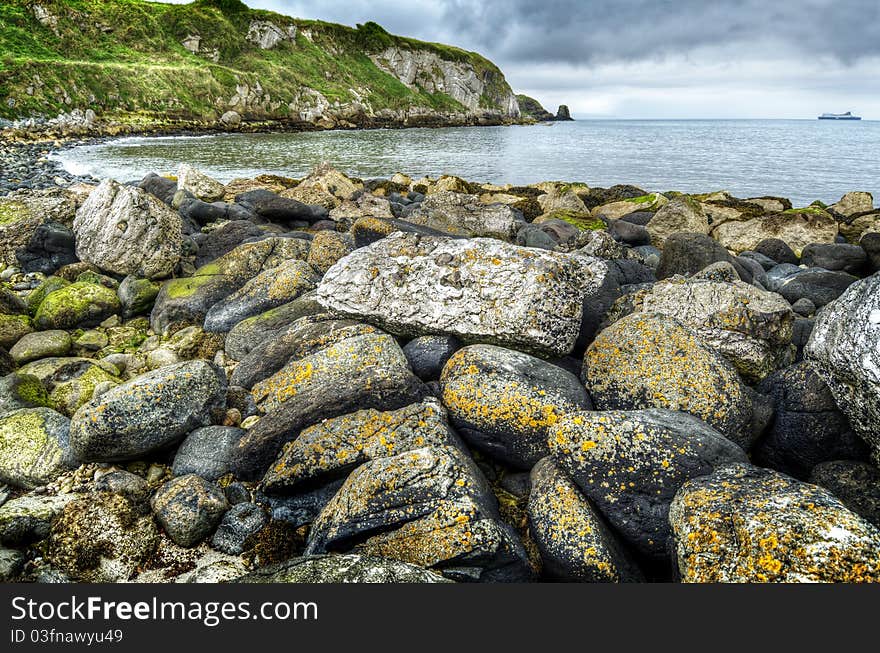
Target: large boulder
[(250, 332), (688, 253), (631, 464), (150, 412), (807, 428), (125, 230), (195, 181), (575, 543), (364, 371), (817, 285), (746, 524), (835, 256), (682, 214), (187, 300), (189, 508), (429, 506), (855, 483), (479, 289), (796, 227), (282, 210), (649, 360), (504, 402), (845, 345), (752, 328), (34, 447), (853, 203), (465, 215)]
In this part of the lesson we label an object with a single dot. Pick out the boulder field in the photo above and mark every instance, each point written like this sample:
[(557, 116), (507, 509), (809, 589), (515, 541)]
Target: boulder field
[(432, 380)]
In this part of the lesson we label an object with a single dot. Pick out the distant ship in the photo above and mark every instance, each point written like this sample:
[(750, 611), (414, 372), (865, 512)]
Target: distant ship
[(839, 116)]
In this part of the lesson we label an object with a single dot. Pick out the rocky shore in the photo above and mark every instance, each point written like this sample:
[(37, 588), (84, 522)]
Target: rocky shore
[(430, 380)]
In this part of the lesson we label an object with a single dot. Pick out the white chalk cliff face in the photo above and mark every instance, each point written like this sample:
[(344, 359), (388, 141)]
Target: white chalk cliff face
[(426, 70)]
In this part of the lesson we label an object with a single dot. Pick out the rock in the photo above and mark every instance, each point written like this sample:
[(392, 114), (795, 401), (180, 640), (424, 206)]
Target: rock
[(269, 289), (303, 338), (631, 464), (281, 210), (34, 447), (649, 360), (778, 250), (478, 289), (871, 244), (855, 483), (101, 538), (835, 257), (40, 344), (856, 228), (13, 328), (465, 215), (819, 286), (189, 508), (687, 254), (188, 300), (241, 522), (327, 248), (563, 113), (230, 119), (199, 184), (251, 332), (561, 198), (505, 402), (31, 224), (843, 345), (575, 543), (224, 239), (852, 203), (207, 452), (332, 447), (38, 294), (765, 262), (51, 246), (124, 230), (804, 307), (366, 371), (618, 209), (27, 519), (747, 524), (19, 391), (136, 296), (328, 179), (131, 486), (752, 328), (79, 304), (682, 214), (808, 427), (150, 412), (428, 506), (629, 233), (342, 569), (427, 355), (796, 227), (92, 340)]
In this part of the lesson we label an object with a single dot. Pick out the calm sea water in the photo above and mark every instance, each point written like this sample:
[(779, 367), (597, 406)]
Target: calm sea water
[(800, 159)]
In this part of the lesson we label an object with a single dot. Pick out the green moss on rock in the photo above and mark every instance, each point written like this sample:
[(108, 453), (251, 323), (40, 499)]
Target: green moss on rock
[(80, 304)]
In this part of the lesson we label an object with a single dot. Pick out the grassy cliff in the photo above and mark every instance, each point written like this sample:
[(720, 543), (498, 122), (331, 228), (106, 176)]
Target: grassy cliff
[(131, 60)]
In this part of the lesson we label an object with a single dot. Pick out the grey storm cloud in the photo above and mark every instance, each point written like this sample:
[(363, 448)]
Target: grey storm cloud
[(624, 30)]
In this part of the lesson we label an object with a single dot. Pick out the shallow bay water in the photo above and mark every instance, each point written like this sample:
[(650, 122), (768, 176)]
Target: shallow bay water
[(803, 160)]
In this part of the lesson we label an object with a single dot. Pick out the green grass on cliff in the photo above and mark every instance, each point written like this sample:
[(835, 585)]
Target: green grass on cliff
[(126, 59)]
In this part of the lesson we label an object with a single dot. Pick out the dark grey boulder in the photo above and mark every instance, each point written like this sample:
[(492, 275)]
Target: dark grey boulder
[(688, 253), (836, 257), (281, 210), (819, 286), (207, 451), (251, 332), (428, 354), (777, 250), (808, 428), (189, 508)]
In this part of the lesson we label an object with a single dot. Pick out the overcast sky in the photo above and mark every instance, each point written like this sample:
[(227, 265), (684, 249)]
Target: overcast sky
[(653, 58)]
